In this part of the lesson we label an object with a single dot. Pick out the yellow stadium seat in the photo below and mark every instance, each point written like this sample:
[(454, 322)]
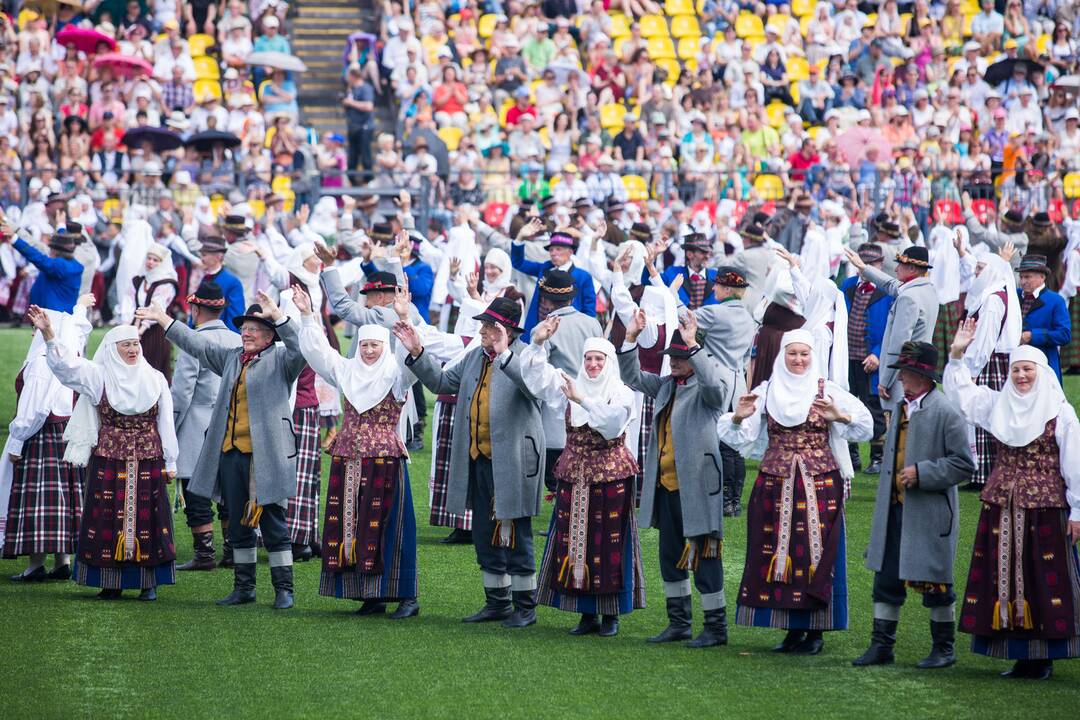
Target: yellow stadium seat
[(451, 136), (802, 7), (795, 93), (206, 68), (678, 7), (503, 112), (199, 43), (798, 68), (111, 208), (545, 136), (653, 26), (779, 23), (1042, 44), (660, 48), (690, 65), (270, 133), (673, 71), (1072, 185), (290, 200), (689, 47), (769, 187), (685, 26), (813, 132), (203, 89), (486, 25), (619, 25), (905, 20), (258, 208), (748, 24), (753, 41), (968, 20), (611, 116), (871, 20), (617, 46), (636, 188), (804, 24), (281, 183), (970, 7), (26, 15), (775, 112), (217, 204)]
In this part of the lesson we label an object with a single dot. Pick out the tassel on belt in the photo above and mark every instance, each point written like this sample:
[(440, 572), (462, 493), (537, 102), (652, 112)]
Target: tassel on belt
[(575, 567), (350, 491), (780, 564), (252, 509), (127, 547), (1011, 613)]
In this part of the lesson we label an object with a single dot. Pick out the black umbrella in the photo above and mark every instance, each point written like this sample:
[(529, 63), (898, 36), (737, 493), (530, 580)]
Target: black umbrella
[(162, 139), (999, 72), (205, 141)]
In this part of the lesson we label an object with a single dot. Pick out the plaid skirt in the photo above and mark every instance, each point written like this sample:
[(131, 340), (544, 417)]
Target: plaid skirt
[(1070, 354), (948, 320), (302, 515), (644, 436), (46, 497), (442, 438), (993, 375)]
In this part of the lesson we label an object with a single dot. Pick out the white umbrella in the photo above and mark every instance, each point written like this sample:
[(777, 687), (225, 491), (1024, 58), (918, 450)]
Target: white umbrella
[(276, 60)]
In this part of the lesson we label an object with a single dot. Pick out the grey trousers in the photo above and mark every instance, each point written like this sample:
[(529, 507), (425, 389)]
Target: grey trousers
[(233, 475), (519, 559)]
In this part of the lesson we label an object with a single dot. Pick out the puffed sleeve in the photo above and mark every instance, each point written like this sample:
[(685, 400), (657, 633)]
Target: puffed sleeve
[(975, 401), (170, 448), (79, 374), (861, 427), (1067, 434), (542, 376), (749, 437), (322, 358), (611, 418)]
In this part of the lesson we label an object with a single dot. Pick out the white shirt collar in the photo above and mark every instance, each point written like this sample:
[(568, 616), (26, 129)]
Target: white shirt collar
[(566, 267), (1038, 290), (913, 406)]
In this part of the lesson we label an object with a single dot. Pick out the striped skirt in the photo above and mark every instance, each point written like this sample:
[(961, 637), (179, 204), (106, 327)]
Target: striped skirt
[(442, 439), (993, 375), (358, 564), (46, 497), (644, 436), (948, 320), (302, 515), (1070, 354)]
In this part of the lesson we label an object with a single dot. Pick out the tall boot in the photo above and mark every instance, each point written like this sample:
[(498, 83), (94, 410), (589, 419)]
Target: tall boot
[(496, 606), (877, 451), (243, 585), (736, 494), (226, 547), (203, 559), (524, 613), (715, 630), (882, 640), (282, 578), (941, 654), (729, 502), (856, 458), (679, 614)]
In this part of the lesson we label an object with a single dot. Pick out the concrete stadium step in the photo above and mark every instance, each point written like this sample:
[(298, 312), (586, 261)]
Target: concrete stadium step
[(320, 29)]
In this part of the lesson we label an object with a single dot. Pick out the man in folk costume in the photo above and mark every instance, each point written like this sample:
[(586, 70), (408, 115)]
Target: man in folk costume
[(1023, 590), (868, 313), (728, 335), (1046, 322), (911, 317), (561, 246), (697, 279), (41, 495), (683, 493), (59, 277), (248, 457), (240, 259), (916, 516), (991, 300), (1047, 240), (212, 254), (890, 239), (754, 262), (497, 460), (194, 389), (557, 291), (1011, 230)]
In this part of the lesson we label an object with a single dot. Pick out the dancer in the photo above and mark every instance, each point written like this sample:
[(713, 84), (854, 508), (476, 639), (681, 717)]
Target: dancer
[(157, 285), (798, 423), (1022, 600)]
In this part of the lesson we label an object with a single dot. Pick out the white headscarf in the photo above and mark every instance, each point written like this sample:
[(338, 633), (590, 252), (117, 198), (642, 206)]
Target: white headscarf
[(789, 396), (945, 261), (295, 265), (1071, 283), (365, 386), (501, 260), (637, 262), (815, 256), (605, 387), (1016, 419), (131, 390), (136, 237), (164, 270), (71, 332), (997, 275)]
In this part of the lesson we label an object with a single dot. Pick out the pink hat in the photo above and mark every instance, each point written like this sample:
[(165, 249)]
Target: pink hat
[(1000, 113)]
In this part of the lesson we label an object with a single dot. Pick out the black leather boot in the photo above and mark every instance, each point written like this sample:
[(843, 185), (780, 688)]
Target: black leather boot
[(679, 614), (856, 458), (882, 640), (301, 553), (1040, 669), (812, 644), (588, 624), (243, 586), (282, 578), (203, 559), (942, 653), (226, 548), (524, 613), (371, 607), (714, 632), (496, 606), (790, 641), (406, 609), (609, 626), (458, 537), (877, 451)]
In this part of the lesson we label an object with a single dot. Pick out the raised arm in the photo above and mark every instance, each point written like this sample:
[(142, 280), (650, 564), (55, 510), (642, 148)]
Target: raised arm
[(519, 263), (79, 374), (350, 310), (294, 359), (205, 351), (49, 266), (714, 386), (982, 347), (314, 346), (541, 375), (888, 284), (277, 273), (632, 374)]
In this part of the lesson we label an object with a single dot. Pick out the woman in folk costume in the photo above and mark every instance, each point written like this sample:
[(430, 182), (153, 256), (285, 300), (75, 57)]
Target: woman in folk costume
[(1070, 284), (122, 427), (40, 494), (592, 563), (993, 302), (822, 305), (311, 395), (779, 311), (951, 263), (156, 285), (799, 424), (1022, 600), (369, 549)]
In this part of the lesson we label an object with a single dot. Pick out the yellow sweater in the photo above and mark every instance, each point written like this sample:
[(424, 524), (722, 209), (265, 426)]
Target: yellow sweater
[(666, 447), (238, 426), (480, 415)]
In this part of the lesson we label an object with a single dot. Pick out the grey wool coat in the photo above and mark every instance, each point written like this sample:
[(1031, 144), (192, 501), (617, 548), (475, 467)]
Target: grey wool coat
[(517, 433), (698, 404), (937, 445), (353, 312), (194, 389), (269, 380), (911, 317), (729, 337)]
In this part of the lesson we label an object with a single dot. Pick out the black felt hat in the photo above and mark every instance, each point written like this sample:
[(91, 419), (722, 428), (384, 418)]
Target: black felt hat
[(915, 255), (678, 347), (918, 357), (209, 295), (1034, 263), (249, 314), (379, 281), (557, 284), (502, 311)]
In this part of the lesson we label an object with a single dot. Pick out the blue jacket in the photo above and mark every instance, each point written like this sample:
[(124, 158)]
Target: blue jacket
[(1049, 325), (57, 285), (672, 272), (421, 281), (234, 296), (584, 299), (877, 316)]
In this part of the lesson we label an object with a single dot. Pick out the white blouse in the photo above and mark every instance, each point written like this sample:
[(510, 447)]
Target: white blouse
[(977, 404), (609, 419), (988, 336), (331, 366)]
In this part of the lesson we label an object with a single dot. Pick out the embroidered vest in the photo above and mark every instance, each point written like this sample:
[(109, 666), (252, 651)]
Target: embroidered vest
[(372, 433), (1031, 474), (590, 458), (808, 442), (124, 437)]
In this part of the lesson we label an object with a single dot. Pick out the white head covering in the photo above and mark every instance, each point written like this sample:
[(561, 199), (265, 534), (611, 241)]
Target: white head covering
[(165, 270), (364, 385), (1071, 283), (789, 396), (604, 387), (131, 390), (945, 273), (136, 237), (1016, 419), (996, 276), (501, 260), (310, 280), (637, 262), (815, 255)]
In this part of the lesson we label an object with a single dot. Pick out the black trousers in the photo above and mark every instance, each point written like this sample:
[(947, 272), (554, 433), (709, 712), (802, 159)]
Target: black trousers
[(551, 456), (709, 576), (359, 152), (199, 510), (859, 386), (516, 560), (888, 587), (420, 401), (734, 470), (234, 472)]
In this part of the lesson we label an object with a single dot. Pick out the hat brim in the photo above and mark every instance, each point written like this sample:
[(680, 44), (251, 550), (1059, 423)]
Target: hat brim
[(203, 302), (238, 322), (1039, 269), (486, 317), (932, 374), (381, 288), (914, 263), (678, 352)]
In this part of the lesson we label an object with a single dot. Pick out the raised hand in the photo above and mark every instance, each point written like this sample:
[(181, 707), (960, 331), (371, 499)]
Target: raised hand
[(545, 330), (403, 300), (965, 333), (502, 340), (530, 229), (829, 409), (1006, 251), (87, 300), (455, 266), (745, 407), (326, 255), (625, 259), (472, 285), (40, 320), (409, 338), (854, 259), (792, 260), (301, 299), (636, 326), (569, 389), (688, 329), (270, 310), (154, 313)]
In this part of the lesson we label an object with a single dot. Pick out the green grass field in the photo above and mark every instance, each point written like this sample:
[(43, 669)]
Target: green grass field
[(66, 655)]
